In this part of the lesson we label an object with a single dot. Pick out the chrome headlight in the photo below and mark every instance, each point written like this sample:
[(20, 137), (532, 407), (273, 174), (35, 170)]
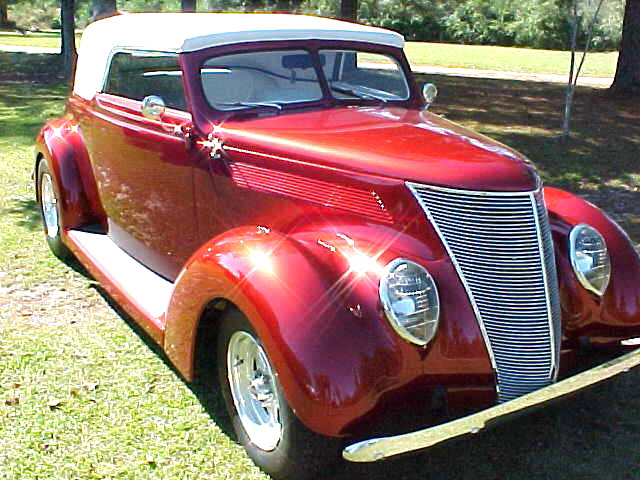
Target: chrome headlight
[(410, 300), (589, 258)]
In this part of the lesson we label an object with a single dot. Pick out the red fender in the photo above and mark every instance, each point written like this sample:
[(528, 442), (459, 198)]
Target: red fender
[(60, 142), (617, 313), (320, 322)]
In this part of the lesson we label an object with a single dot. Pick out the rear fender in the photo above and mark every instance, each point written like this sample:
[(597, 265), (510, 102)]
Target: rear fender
[(60, 142), (617, 312)]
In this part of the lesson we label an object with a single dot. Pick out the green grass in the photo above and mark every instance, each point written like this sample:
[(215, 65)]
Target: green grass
[(82, 396), (510, 59), (33, 39)]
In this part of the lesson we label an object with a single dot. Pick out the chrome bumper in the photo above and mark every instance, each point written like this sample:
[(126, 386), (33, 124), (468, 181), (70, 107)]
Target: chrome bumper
[(385, 447)]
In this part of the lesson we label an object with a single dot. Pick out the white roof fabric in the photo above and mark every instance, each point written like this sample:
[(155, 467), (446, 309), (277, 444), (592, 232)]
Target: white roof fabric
[(185, 32)]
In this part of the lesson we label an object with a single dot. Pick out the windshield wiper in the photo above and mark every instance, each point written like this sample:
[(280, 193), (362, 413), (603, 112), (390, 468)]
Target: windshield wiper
[(277, 106), (356, 93)]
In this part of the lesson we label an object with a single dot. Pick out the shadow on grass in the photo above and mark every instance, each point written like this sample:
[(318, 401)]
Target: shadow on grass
[(31, 92), (528, 116), (26, 214)]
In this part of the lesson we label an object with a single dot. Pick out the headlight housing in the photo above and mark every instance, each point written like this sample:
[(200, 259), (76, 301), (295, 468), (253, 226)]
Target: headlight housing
[(410, 300), (589, 258)]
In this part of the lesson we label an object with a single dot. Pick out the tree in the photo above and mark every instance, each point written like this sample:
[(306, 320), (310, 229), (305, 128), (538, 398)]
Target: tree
[(4, 14), (573, 72), (349, 10), (103, 8), (189, 5), (68, 22), (627, 79)]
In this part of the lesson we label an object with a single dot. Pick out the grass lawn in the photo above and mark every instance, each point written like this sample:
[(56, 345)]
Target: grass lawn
[(82, 396), (35, 39), (508, 59)]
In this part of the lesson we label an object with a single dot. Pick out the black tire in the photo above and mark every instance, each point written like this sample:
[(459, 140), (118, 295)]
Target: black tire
[(48, 198), (300, 454)]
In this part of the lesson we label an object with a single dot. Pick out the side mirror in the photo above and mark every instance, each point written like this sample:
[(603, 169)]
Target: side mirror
[(429, 93), (153, 107)]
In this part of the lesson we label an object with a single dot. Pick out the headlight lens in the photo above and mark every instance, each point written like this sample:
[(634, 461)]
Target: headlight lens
[(589, 258), (410, 300)]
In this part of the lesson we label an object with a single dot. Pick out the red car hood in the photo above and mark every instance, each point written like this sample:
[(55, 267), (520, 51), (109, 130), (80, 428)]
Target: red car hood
[(391, 142)]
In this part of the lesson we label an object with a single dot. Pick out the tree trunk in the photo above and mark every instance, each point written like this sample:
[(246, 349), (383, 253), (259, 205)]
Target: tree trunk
[(627, 79), (189, 5), (68, 22), (103, 8), (4, 14), (349, 10)]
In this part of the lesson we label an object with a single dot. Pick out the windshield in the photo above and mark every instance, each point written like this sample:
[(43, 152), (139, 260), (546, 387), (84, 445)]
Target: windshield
[(356, 74), (270, 78), (278, 78)]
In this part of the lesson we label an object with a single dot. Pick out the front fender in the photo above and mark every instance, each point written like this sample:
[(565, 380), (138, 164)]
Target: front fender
[(318, 315), (617, 313), (60, 142), (313, 337)]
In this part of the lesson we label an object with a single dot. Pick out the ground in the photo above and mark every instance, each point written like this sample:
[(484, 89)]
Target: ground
[(83, 396)]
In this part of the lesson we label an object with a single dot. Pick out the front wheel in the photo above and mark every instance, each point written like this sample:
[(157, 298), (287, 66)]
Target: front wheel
[(265, 425)]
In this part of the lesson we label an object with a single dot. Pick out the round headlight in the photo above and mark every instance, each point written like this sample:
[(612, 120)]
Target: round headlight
[(589, 258), (410, 300)]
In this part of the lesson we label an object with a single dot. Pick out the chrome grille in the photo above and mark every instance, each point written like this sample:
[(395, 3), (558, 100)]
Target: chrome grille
[(500, 243)]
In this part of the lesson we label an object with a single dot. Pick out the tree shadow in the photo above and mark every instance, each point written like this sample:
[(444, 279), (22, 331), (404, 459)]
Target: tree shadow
[(31, 67), (25, 213), (528, 116)]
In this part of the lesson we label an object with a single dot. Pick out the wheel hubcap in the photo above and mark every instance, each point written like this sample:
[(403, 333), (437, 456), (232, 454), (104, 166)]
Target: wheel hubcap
[(49, 206), (254, 392)]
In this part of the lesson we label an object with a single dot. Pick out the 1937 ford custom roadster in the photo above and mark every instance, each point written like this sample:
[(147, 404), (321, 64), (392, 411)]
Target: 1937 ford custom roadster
[(278, 179)]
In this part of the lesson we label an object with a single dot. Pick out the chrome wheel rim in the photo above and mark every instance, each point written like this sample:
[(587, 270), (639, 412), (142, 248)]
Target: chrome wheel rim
[(49, 206), (254, 392)]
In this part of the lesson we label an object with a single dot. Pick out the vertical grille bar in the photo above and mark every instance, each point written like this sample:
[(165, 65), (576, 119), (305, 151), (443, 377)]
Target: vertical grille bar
[(500, 244)]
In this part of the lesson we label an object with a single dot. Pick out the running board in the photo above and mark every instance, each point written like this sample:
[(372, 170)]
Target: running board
[(145, 290)]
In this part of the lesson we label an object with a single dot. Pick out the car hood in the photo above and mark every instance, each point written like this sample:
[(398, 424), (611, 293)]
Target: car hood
[(398, 143)]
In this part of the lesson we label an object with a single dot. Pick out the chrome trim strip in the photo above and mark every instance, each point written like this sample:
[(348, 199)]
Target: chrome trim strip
[(481, 193), (461, 276), (546, 263), (380, 448)]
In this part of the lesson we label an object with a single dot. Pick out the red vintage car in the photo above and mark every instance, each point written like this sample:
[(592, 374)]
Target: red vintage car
[(364, 263)]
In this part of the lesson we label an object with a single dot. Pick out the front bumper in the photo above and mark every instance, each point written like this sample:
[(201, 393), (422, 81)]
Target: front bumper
[(385, 447)]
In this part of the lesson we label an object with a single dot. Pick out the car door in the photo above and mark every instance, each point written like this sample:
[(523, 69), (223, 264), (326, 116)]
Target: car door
[(142, 167)]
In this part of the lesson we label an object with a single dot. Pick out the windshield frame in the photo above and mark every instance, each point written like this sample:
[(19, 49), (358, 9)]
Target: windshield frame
[(192, 62)]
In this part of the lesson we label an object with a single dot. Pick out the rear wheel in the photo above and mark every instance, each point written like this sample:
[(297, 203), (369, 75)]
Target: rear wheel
[(265, 425), (50, 210)]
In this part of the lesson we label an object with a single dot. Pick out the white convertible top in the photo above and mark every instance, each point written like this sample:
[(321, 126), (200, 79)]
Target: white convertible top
[(185, 32)]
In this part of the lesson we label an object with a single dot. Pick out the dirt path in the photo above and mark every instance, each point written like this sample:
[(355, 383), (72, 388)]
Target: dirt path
[(599, 82)]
